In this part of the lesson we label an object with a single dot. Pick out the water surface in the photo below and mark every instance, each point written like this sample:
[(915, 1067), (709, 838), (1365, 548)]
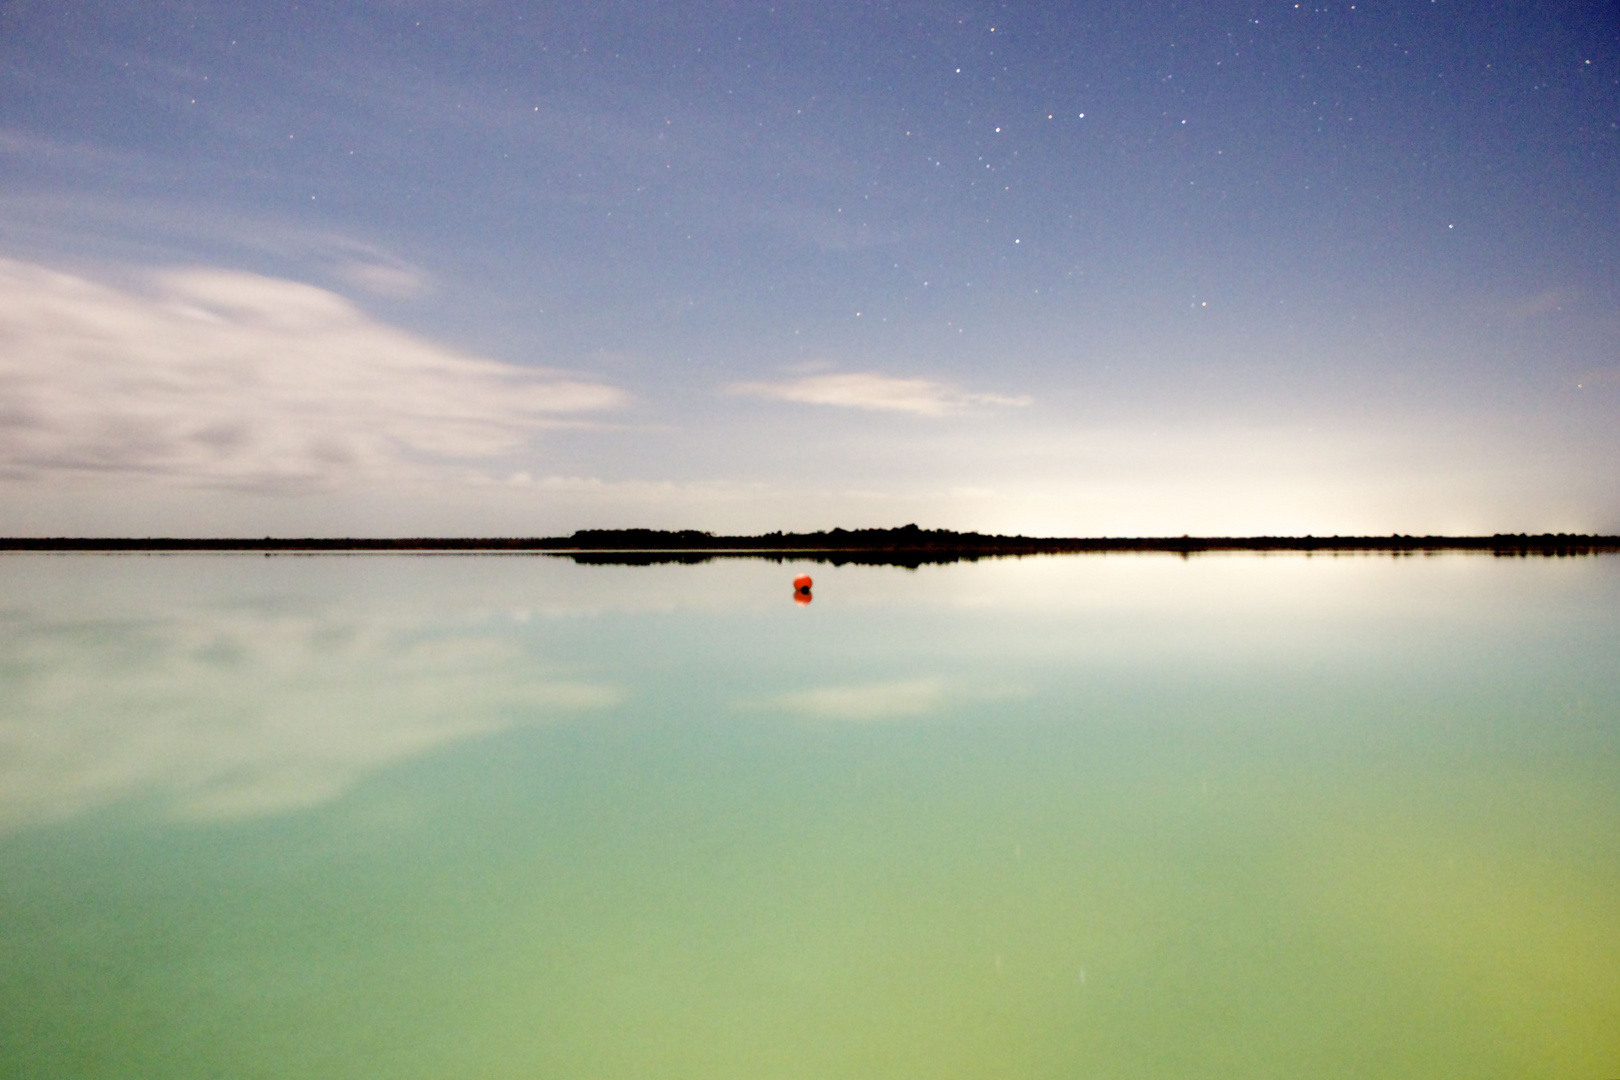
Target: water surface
[(1230, 816)]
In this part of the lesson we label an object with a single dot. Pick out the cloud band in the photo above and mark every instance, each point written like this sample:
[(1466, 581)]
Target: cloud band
[(217, 378)]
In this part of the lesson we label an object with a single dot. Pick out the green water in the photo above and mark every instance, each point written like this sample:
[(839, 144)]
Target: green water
[(1061, 817)]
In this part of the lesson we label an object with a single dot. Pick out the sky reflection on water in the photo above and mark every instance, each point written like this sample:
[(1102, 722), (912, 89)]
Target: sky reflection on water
[(425, 816)]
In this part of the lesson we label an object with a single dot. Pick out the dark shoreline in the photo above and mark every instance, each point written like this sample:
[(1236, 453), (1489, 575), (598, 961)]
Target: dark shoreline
[(909, 546)]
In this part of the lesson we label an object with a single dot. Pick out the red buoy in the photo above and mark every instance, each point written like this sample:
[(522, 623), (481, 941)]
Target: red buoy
[(802, 583)]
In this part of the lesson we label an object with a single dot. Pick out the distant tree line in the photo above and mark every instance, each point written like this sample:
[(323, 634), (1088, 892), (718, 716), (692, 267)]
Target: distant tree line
[(906, 545)]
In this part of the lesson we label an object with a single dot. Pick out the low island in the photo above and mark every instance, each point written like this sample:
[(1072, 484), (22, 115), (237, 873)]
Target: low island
[(907, 545)]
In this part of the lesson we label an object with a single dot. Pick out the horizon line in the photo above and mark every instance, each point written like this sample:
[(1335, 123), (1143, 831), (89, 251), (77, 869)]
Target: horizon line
[(909, 538)]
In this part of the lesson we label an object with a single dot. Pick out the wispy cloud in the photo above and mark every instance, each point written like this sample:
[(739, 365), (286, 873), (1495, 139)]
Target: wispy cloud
[(225, 379), (26, 145), (394, 281), (110, 230), (883, 393)]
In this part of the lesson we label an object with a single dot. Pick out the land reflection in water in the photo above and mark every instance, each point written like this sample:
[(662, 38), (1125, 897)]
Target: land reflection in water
[(1130, 815)]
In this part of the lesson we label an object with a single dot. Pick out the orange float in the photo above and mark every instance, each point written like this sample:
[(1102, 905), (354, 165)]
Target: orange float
[(801, 589)]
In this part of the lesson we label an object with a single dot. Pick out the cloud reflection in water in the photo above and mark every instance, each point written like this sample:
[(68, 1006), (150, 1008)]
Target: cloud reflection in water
[(872, 701), (229, 712)]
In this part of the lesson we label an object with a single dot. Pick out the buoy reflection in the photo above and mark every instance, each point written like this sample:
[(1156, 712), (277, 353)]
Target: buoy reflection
[(801, 589)]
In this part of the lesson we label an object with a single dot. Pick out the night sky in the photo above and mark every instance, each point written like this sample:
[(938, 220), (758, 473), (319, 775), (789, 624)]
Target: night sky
[(1090, 268)]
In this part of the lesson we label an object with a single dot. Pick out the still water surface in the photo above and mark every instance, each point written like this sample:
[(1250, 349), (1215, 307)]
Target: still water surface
[(1231, 816)]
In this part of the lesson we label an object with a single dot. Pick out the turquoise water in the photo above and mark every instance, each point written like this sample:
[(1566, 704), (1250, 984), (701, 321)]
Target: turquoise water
[(1229, 816)]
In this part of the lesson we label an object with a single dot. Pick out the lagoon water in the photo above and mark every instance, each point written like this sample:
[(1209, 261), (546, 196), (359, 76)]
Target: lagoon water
[(1140, 816)]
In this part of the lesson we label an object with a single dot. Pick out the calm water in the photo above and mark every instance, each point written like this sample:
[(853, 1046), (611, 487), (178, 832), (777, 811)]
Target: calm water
[(447, 817)]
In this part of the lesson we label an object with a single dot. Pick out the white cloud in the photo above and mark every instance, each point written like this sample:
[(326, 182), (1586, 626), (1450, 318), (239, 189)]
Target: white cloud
[(393, 281), (865, 390), (223, 379)]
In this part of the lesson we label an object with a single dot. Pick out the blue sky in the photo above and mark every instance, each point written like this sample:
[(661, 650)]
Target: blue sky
[(470, 267)]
